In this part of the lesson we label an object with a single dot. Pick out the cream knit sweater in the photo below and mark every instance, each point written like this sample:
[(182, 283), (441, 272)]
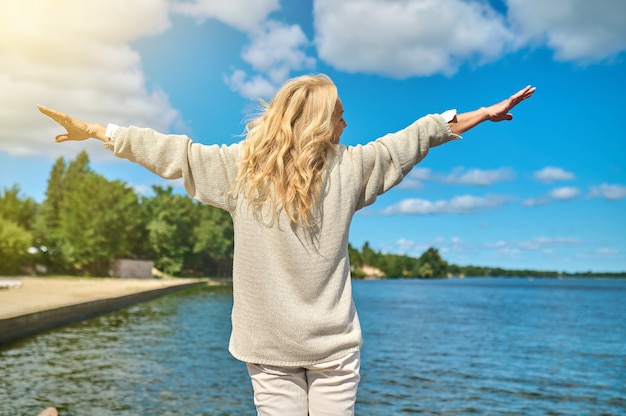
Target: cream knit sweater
[(292, 291)]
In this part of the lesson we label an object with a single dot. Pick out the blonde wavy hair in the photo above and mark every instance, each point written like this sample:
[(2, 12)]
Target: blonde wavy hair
[(286, 147)]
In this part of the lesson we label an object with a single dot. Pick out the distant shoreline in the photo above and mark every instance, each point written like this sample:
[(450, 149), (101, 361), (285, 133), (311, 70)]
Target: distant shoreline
[(620, 276)]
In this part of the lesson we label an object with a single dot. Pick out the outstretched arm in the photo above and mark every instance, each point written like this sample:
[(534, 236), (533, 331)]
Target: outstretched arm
[(76, 129), (208, 171), (496, 112)]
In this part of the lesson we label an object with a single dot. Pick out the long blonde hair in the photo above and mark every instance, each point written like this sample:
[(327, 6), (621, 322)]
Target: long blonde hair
[(286, 147)]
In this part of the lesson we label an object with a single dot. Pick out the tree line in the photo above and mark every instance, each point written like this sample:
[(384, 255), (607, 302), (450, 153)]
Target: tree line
[(86, 222), (367, 262)]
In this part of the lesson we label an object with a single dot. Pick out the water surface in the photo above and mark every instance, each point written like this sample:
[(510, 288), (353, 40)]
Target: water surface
[(444, 347)]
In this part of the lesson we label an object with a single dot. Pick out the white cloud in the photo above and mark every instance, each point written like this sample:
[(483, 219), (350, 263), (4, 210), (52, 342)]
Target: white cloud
[(412, 248), (251, 88), (500, 244), (59, 55), (552, 174), (548, 246), (562, 193), (75, 57), (546, 243), (416, 178), (577, 30), (457, 205), (409, 246), (556, 249), (480, 177), (509, 251), (459, 175), (245, 15), (607, 251), (566, 192), (534, 202), (275, 51), (607, 191), (403, 38), (456, 241)]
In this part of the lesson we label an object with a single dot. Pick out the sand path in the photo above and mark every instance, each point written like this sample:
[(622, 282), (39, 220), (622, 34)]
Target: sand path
[(37, 294)]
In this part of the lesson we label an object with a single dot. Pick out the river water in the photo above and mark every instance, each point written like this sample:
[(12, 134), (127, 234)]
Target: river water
[(441, 347)]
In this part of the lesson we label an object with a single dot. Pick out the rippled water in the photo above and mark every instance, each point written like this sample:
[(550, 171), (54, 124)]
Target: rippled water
[(446, 347), (493, 346)]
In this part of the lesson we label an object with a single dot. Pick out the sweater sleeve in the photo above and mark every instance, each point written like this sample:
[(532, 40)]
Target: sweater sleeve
[(208, 171), (383, 163)]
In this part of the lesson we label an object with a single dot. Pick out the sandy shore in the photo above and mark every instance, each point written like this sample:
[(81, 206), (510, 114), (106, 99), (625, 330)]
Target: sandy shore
[(38, 294)]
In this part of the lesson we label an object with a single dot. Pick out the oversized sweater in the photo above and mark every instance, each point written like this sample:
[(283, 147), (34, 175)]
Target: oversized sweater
[(292, 294)]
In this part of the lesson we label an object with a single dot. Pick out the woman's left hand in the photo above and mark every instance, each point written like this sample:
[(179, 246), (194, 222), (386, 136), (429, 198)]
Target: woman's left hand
[(500, 111)]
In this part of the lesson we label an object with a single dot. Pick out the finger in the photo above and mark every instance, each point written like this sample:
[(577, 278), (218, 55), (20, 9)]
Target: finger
[(530, 92), (55, 115), (527, 92), (522, 95), (43, 109), (47, 111), (518, 95), (61, 138)]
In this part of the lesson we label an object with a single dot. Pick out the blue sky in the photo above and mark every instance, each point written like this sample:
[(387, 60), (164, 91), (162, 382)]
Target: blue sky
[(544, 191)]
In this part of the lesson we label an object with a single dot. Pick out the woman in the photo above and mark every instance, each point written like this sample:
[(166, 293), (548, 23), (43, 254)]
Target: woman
[(292, 190)]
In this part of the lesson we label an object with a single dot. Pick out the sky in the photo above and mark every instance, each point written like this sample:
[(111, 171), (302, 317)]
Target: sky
[(545, 191)]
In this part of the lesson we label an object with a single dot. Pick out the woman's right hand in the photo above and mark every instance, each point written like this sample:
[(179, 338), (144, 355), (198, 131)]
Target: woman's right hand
[(76, 129)]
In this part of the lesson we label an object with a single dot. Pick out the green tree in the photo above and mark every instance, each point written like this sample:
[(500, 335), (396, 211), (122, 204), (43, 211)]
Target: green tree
[(368, 255), (171, 220), (86, 221), (393, 266), (18, 216), (455, 270), (20, 210), (100, 220), (425, 270), (48, 222), (15, 241), (431, 264), (213, 242)]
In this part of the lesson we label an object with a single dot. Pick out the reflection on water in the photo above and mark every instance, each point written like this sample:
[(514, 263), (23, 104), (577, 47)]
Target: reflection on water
[(456, 347)]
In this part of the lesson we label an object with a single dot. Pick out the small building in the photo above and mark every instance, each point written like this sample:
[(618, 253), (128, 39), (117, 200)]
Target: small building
[(132, 269)]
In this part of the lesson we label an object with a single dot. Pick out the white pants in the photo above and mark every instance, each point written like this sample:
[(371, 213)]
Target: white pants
[(320, 389)]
